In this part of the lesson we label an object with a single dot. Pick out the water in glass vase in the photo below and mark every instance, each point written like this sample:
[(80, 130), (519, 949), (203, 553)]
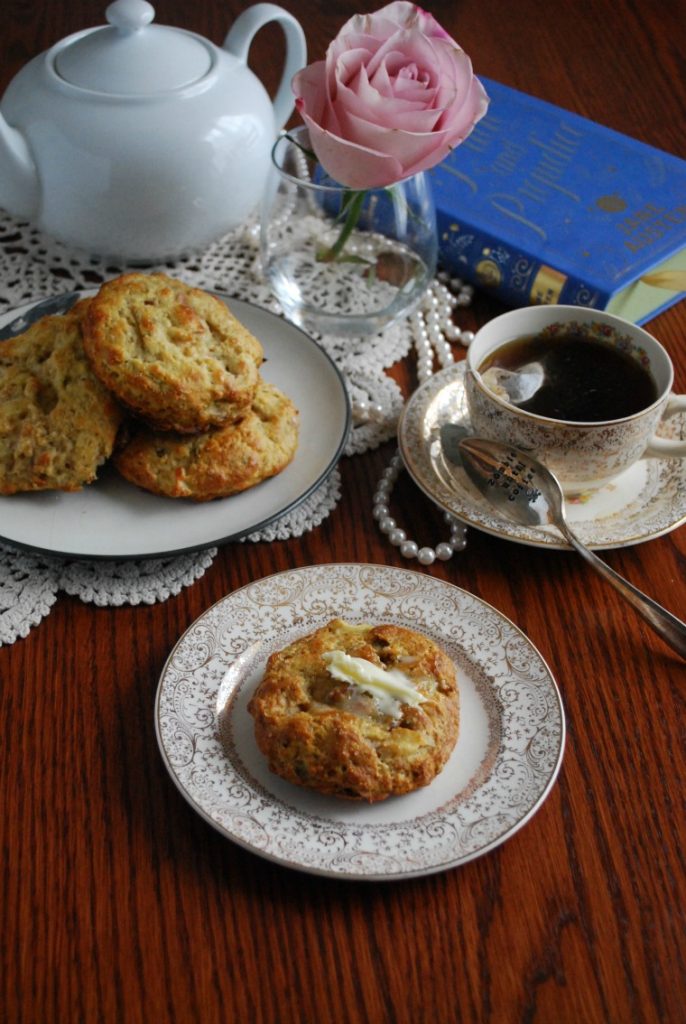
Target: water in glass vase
[(343, 262)]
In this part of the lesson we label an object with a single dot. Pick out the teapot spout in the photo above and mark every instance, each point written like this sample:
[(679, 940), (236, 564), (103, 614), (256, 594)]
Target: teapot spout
[(18, 175)]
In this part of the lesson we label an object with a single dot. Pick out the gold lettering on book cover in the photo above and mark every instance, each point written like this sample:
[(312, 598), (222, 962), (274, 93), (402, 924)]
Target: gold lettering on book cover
[(538, 185), (650, 224)]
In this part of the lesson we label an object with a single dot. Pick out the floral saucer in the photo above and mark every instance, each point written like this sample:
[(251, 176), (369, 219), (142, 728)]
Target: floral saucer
[(646, 501), (505, 762)]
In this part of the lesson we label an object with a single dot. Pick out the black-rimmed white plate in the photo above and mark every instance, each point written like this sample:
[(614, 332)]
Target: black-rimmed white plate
[(506, 760), (113, 519)]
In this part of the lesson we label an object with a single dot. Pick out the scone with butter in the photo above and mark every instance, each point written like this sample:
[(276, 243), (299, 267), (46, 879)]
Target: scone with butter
[(362, 712), (171, 353), (58, 423)]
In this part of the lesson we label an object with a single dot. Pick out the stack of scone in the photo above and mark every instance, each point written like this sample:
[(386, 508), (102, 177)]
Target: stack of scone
[(172, 364)]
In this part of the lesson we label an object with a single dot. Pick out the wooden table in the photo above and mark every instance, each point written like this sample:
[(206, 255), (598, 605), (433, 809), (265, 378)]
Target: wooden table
[(119, 904)]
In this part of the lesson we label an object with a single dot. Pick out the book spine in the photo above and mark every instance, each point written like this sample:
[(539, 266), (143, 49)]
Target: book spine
[(516, 277)]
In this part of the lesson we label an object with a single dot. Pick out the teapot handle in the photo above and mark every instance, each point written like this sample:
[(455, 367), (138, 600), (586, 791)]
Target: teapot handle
[(241, 34)]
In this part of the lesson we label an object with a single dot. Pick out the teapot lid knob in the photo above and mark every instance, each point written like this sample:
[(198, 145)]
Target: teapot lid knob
[(130, 15)]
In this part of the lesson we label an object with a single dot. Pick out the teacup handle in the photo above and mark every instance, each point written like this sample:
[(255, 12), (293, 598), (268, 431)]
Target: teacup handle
[(664, 447), (241, 34)]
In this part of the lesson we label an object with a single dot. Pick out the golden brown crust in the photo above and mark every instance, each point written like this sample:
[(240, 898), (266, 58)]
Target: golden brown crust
[(57, 421), (333, 737), (173, 354), (220, 462)]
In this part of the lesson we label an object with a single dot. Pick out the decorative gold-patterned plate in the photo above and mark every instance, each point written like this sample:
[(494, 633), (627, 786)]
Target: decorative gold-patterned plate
[(504, 764), (644, 502)]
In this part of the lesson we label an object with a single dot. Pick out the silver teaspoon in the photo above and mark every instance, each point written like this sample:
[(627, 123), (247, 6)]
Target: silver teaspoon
[(526, 491)]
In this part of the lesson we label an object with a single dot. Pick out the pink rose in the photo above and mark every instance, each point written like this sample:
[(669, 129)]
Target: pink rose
[(393, 97)]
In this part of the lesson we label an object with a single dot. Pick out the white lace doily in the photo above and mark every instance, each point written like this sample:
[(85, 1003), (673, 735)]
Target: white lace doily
[(32, 267)]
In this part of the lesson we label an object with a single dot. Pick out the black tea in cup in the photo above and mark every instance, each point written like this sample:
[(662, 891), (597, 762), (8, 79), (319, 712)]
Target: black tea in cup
[(582, 379)]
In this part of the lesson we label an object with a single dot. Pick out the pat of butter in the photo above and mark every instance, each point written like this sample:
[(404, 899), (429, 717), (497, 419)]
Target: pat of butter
[(389, 686)]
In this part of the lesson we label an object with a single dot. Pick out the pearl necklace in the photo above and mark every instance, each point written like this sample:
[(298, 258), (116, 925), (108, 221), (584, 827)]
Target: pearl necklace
[(433, 329)]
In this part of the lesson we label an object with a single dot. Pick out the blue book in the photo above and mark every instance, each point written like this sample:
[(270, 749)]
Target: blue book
[(539, 205)]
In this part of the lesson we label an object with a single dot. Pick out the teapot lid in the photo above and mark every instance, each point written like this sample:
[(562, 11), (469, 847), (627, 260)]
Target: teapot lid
[(129, 56)]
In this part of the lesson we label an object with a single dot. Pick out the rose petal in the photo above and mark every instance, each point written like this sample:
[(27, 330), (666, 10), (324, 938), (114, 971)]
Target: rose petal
[(419, 151), (352, 165), (367, 104), (417, 122), (407, 147), (460, 118), (449, 139), (406, 46), (414, 84), (454, 75), (312, 98), (402, 87), (399, 14), (349, 65), (428, 24), (399, 72), (309, 87), (378, 25)]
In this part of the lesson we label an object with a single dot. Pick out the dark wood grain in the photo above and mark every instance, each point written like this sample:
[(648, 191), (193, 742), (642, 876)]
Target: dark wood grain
[(119, 904)]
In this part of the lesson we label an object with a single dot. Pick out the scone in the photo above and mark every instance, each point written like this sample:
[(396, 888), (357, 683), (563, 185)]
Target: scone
[(361, 712), (220, 462), (57, 421), (173, 354)]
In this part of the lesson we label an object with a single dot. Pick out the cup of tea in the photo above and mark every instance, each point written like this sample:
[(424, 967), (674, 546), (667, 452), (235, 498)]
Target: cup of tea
[(583, 390)]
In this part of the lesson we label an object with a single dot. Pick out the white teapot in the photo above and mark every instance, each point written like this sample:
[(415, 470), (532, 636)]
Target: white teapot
[(142, 142)]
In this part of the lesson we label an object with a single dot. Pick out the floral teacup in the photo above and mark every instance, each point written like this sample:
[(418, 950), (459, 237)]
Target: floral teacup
[(583, 455)]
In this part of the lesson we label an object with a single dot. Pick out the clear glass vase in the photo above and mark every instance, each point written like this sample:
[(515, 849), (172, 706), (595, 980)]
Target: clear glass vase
[(343, 262)]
